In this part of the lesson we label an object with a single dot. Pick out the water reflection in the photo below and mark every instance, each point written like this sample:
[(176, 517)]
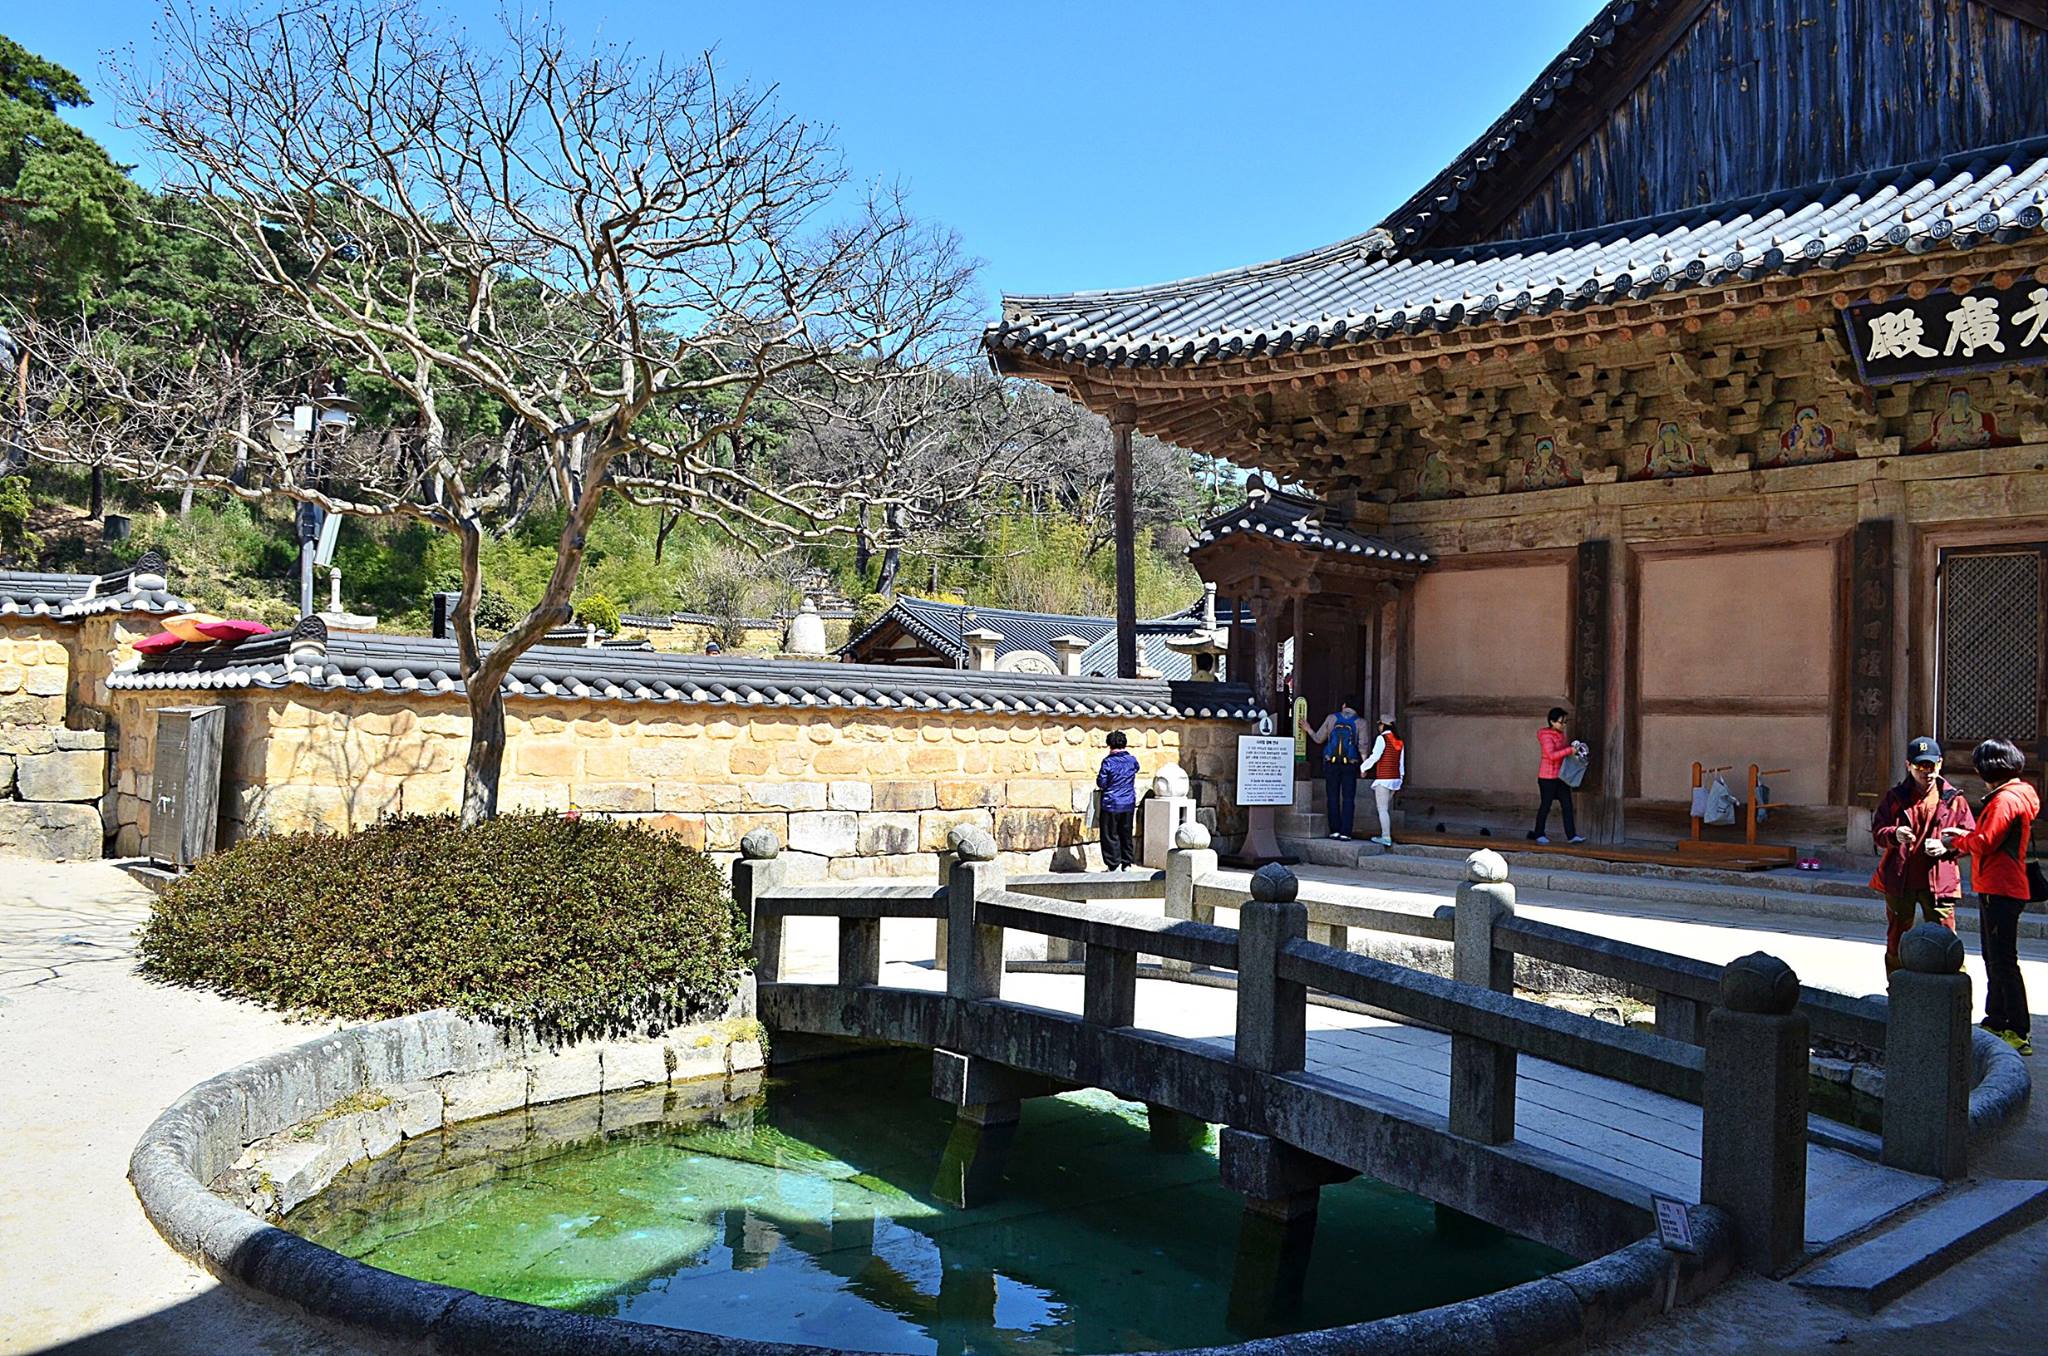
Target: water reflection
[(810, 1215)]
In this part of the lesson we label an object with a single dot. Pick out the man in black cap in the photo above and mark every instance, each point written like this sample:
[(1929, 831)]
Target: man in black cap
[(1915, 872)]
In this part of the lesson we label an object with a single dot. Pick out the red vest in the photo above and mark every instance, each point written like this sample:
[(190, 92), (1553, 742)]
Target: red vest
[(1389, 766)]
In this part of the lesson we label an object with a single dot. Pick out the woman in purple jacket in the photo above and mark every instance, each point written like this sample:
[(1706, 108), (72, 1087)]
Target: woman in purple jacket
[(1118, 782)]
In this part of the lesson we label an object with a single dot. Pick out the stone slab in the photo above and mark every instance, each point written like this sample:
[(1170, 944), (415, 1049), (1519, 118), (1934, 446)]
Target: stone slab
[(50, 833), (1872, 1273), (61, 775)]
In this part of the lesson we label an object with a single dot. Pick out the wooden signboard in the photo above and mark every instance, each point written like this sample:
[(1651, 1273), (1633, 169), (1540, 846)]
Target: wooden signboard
[(1948, 333)]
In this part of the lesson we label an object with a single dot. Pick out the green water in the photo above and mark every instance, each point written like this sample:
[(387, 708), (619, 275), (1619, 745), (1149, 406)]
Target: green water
[(806, 1214)]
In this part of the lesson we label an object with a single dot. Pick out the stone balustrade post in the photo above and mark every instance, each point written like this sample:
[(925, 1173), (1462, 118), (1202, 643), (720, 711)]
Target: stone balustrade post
[(1927, 1060), (1272, 1014), (860, 951), (1682, 1019), (757, 872), (1109, 993), (1753, 1111), (974, 951), (1482, 1073), (1191, 860)]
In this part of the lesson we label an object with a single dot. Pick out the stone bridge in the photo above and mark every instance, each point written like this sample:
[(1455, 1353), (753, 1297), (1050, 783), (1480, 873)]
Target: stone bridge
[(1322, 1064)]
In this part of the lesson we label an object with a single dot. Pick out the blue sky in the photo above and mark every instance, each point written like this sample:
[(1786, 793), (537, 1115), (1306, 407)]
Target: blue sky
[(1072, 146)]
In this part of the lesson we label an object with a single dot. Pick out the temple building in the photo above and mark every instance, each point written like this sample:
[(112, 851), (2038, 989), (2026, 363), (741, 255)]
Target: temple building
[(1705, 394)]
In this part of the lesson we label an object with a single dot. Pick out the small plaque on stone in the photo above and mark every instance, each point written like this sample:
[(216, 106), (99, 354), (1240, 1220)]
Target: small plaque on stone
[(1674, 1224)]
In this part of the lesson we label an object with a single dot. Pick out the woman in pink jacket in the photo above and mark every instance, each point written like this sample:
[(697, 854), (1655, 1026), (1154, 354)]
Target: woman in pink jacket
[(1552, 745)]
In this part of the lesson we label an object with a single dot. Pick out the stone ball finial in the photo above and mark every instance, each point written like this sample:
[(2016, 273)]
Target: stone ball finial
[(971, 843), (760, 845), (1170, 780), (1191, 836), (1274, 884), (1759, 983), (1486, 865), (1931, 949)]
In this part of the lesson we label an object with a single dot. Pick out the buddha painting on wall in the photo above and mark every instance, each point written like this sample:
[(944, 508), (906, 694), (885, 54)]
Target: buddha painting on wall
[(1546, 468), (1670, 454), (1959, 425), (1806, 441)]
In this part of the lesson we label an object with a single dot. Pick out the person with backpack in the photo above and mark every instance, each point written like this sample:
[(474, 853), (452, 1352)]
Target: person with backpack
[(1389, 763), (1553, 746), (1117, 780), (1338, 736), (1909, 817), (1998, 854)]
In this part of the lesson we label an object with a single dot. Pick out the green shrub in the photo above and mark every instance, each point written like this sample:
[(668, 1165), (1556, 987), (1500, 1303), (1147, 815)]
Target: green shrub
[(599, 611), (579, 927)]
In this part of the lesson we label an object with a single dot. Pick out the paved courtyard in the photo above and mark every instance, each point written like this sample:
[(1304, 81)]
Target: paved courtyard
[(93, 1052)]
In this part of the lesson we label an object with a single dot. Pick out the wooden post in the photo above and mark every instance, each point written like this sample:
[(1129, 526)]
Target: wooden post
[(1123, 421)]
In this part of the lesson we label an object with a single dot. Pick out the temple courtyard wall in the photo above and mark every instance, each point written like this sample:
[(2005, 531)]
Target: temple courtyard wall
[(852, 793)]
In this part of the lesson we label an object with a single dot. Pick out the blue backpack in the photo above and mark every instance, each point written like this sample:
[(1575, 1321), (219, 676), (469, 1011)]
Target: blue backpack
[(1342, 745)]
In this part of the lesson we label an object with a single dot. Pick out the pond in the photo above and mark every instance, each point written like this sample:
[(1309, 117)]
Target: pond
[(806, 1213)]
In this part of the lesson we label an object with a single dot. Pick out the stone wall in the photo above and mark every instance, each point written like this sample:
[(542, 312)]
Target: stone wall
[(53, 753), (852, 793)]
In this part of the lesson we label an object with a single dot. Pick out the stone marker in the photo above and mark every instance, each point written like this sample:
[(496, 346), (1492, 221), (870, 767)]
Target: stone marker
[(1753, 1113), (1927, 1057)]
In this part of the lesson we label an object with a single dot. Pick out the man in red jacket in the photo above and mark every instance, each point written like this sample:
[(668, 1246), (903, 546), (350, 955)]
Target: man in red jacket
[(1915, 871)]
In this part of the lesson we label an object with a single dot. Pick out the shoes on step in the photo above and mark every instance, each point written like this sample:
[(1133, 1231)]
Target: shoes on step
[(2015, 1040), (1384, 841), (1543, 838), (1576, 838)]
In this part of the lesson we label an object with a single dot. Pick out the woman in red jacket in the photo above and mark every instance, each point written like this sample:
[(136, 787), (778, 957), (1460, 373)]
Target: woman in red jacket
[(1998, 851), (1553, 745)]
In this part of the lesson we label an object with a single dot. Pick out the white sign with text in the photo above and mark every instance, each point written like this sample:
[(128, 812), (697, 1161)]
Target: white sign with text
[(1265, 770)]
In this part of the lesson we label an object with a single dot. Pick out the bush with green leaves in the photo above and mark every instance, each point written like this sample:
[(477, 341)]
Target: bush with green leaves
[(574, 927), (600, 612)]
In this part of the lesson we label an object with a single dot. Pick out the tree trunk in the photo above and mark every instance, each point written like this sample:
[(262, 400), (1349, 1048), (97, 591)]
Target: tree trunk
[(98, 506), (863, 548), (892, 561), (486, 758), (668, 525)]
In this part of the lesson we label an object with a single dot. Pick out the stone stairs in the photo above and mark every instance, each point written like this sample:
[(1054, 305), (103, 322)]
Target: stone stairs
[(1878, 1266)]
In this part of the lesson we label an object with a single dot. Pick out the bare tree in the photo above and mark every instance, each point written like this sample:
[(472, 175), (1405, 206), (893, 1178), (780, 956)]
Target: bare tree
[(570, 272)]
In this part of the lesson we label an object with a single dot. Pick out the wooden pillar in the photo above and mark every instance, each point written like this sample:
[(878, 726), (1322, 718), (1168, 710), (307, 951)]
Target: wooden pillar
[(1591, 615), (1266, 650), (1872, 736), (1122, 423), (1300, 652)]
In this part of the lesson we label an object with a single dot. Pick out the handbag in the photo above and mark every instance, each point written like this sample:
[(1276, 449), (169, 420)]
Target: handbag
[(1572, 770)]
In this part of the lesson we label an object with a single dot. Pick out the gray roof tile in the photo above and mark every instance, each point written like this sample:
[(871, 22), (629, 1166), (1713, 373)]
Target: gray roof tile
[(139, 588), (1364, 288)]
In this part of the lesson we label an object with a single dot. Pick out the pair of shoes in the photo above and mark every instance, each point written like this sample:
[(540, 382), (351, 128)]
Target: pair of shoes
[(1335, 835), (2015, 1040), (1341, 837), (1384, 841), (1543, 838), (1577, 838)]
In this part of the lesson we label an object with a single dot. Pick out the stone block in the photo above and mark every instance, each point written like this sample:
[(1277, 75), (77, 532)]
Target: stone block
[(44, 680), (23, 709), (692, 1061), (807, 868), (10, 679), (614, 797), (687, 829), (906, 796), (64, 775), (699, 797), (887, 834), (6, 775), (722, 832), (828, 833), (573, 1072), (634, 1064), (1027, 830), (81, 739), (1041, 795), (746, 1055), (850, 796), (551, 758), (968, 795), (419, 1111), (786, 796), (934, 758), (486, 1092), (51, 832), (19, 739)]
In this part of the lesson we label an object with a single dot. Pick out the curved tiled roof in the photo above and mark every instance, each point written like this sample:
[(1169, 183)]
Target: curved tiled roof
[(310, 658), (1285, 517), (939, 626), (1364, 289), (141, 588)]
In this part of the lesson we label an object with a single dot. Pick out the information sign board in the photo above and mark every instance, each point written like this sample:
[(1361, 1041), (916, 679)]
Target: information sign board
[(1265, 770)]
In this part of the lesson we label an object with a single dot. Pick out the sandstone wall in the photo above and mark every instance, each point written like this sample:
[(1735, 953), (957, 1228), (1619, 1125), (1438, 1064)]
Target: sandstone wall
[(851, 793)]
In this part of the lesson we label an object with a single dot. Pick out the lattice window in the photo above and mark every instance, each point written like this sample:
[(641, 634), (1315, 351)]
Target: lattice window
[(1991, 646)]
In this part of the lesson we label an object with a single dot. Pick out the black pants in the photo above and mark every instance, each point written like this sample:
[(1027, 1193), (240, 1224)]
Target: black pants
[(2005, 991), (1340, 795), (1116, 839), (1555, 790)]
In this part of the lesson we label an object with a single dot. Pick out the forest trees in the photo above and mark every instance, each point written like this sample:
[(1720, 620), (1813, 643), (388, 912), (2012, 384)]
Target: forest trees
[(546, 271)]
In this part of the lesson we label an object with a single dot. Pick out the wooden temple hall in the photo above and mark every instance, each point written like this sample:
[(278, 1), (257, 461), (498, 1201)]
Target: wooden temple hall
[(1705, 394)]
